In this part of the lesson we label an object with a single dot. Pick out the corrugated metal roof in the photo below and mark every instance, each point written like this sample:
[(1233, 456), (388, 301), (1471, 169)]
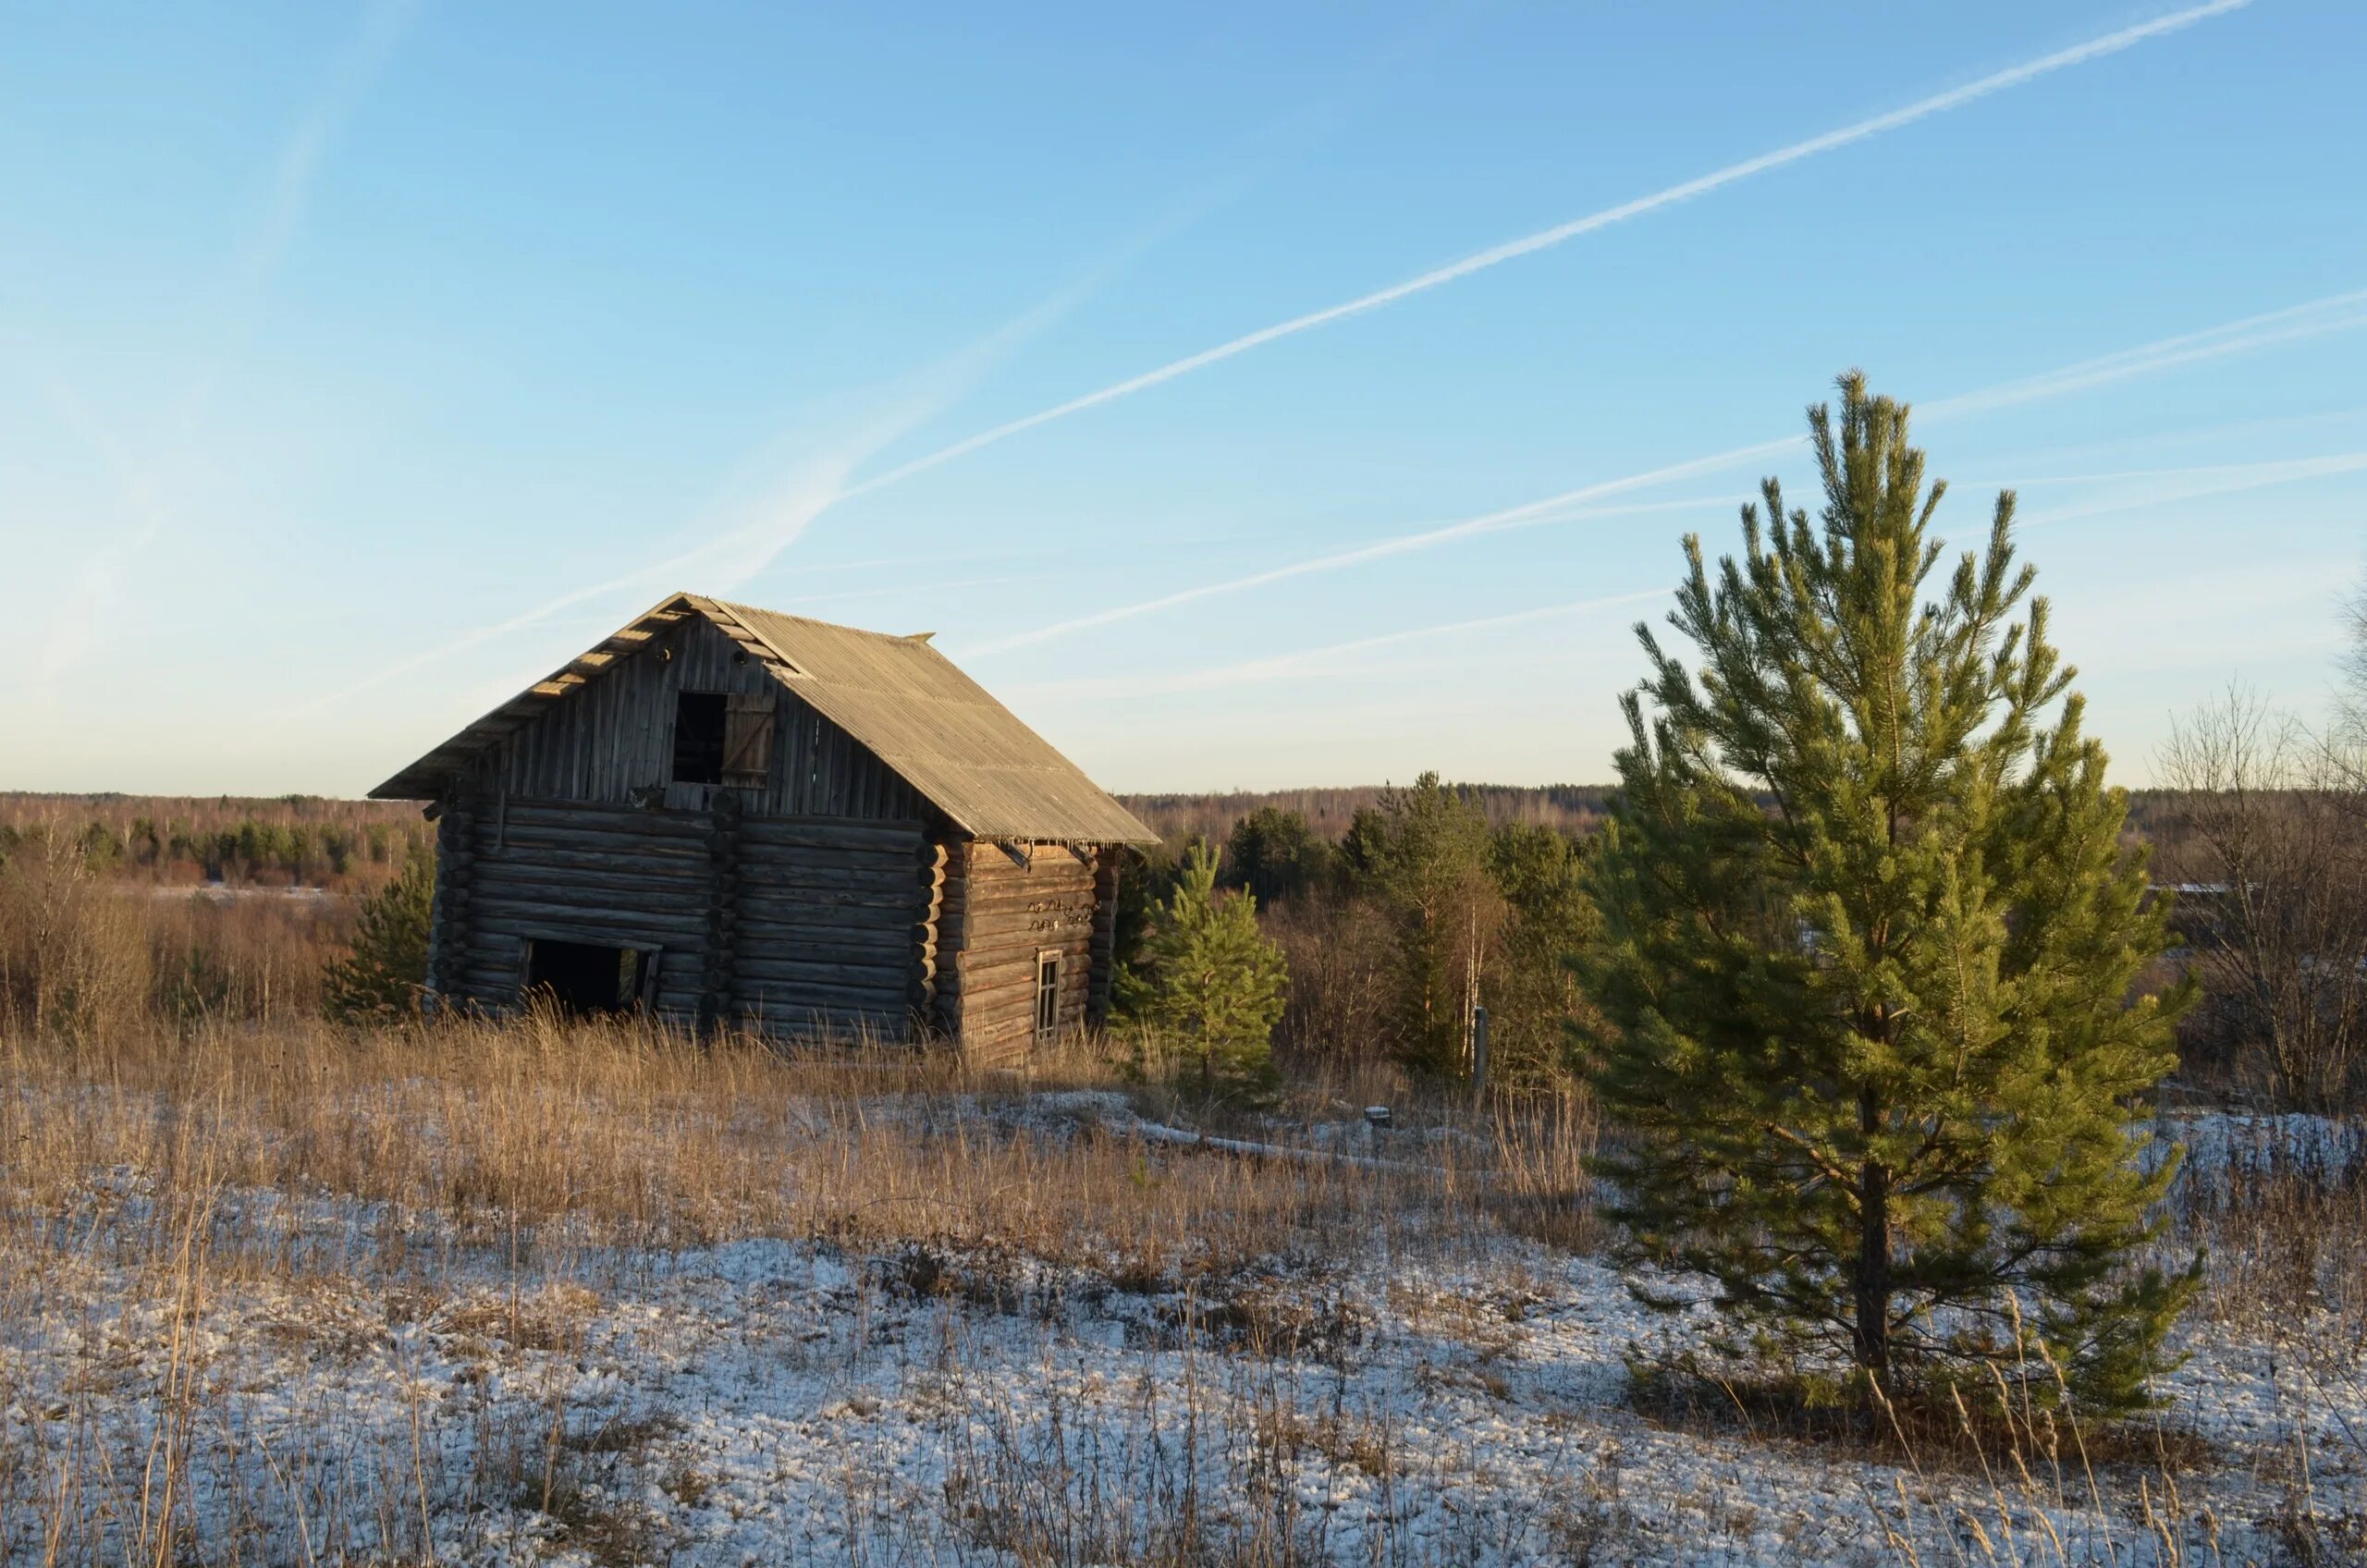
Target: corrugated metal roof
[(940, 730)]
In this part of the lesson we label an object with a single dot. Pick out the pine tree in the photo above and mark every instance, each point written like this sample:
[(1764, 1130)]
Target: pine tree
[(1425, 853), (381, 979), (1214, 984), (1871, 946), (1275, 856), (1529, 987)]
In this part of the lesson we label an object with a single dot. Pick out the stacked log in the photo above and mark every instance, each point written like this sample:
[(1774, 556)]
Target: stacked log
[(450, 936), (933, 858), (722, 911), (1105, 935)]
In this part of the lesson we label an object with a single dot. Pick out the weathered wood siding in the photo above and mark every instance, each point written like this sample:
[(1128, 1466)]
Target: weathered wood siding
[(611, 739), (564, 870), (831, 925), (830, 899), (1107, 865), (1008, 914), (794, 924)]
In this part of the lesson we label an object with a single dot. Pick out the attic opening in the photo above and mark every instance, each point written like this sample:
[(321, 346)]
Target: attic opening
[(585, 977), (698, 738)]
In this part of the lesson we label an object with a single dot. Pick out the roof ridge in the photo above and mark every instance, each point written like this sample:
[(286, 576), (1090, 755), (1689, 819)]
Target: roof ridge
[(809, 620)]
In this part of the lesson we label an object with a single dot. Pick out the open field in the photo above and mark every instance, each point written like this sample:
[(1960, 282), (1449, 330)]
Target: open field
[(594, 1295)]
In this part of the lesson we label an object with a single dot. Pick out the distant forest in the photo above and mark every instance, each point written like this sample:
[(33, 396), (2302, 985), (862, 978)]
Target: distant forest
[(321, 841), (284, 841), (1574, 809)]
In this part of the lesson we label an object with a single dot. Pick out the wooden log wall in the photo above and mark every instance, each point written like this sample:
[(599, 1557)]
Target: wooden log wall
[(564, 870), (1105, 934), (609, 738), (1010, 914), (831, 925), (722, 910), (934, 857), (448, 928), (951, 895)]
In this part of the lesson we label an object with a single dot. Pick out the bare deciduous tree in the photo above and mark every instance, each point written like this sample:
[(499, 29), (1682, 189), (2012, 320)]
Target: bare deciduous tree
[(2268, 839)]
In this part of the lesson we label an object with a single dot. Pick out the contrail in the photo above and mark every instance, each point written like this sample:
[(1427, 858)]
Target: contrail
[(730, 559), (1997, 82), (1282, 666), (2226, 480), (1545, 240), (1552, 508), (2213, 480), (2316, 318)]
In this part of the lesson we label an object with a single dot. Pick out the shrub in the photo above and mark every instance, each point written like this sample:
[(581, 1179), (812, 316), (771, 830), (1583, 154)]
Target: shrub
[(1212, 983), (382, 978)]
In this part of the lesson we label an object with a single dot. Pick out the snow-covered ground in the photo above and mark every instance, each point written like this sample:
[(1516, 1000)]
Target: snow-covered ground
[(386, 1391)]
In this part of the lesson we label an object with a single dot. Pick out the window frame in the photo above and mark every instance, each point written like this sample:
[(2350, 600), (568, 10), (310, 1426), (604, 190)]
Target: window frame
[(1049, 962)]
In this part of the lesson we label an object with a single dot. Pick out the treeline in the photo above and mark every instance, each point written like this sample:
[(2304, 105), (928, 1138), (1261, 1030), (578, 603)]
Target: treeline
[(1401, 911), (1330, 813), (291, 839), (1429, 903), (1574, 809)]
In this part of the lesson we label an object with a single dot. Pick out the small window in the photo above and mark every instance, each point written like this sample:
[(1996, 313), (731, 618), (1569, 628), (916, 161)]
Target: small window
[(698, 738), (1048, 995)]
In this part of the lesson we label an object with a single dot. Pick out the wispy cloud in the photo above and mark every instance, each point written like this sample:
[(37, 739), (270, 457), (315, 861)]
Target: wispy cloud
[(2156, 488), (2318, 318), (764, 539), (807, 483), (1545, 240), (817, 477), (148, 478), (296, 171), (2165, 487), (2295, 323), (1568, 506)]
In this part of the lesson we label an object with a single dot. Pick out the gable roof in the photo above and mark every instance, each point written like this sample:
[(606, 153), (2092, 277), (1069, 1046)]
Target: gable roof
[(967, 754)]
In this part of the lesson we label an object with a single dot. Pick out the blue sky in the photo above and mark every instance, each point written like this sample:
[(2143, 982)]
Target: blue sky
[(359, 365)]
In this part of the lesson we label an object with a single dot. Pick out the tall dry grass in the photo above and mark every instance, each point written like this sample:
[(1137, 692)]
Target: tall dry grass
[(164, 1169), (624, 1136), (90, 955), (161, 1169)]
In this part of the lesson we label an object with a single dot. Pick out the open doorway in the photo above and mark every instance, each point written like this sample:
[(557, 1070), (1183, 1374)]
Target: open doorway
[(586, 978)]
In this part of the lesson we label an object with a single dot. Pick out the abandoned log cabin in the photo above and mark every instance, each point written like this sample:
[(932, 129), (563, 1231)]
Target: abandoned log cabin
[(733, 817)]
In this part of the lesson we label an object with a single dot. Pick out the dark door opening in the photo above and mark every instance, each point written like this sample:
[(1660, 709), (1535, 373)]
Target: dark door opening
[(584, 978)]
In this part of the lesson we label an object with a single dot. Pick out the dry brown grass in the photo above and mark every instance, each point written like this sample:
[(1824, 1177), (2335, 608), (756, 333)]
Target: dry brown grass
[(562, 1139), (94, 956), (363, 1177), (381, 1180)]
